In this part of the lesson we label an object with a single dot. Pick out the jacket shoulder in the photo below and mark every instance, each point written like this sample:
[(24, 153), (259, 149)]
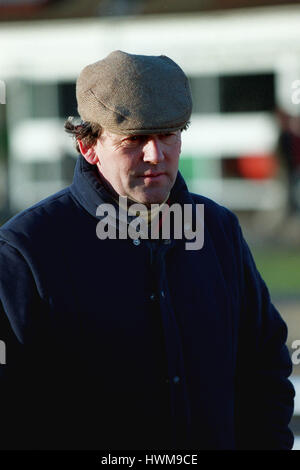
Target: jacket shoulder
[(216, 214), (37, 219)]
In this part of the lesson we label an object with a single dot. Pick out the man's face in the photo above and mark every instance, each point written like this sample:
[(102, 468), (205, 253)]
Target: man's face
[(141, 167)]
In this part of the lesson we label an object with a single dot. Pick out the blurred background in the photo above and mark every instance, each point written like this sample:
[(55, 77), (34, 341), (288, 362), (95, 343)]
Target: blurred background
[(242, 149)]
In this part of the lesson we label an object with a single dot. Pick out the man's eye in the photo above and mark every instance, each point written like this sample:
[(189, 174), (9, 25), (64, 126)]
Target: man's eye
[(133, 140)]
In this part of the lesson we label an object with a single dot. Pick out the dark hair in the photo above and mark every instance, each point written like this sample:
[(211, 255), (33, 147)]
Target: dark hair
[(185, 128), (86, 131)]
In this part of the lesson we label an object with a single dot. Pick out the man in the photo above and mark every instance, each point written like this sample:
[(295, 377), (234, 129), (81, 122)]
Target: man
[(119, 342)]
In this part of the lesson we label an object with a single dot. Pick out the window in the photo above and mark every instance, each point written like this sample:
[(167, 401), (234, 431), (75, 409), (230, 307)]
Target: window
[(246, 93), (232, 93), (67, 99)]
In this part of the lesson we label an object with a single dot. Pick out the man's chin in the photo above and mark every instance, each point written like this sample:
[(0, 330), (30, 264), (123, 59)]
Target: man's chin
[(150, 198), (155, 200)]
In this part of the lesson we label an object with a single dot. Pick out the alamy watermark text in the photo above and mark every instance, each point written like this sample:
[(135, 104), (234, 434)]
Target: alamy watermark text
[(178, 221)]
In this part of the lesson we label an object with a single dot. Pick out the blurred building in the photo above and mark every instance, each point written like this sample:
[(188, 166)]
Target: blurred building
[(241, 63)]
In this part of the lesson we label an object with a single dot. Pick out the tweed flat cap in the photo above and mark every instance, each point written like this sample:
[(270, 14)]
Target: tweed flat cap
[(134, 94)]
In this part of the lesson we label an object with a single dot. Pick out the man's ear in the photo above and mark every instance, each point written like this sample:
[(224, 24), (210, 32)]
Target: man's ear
[(88, 152)]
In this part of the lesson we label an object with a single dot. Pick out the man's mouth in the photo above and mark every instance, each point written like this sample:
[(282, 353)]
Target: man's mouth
[(152, 175)]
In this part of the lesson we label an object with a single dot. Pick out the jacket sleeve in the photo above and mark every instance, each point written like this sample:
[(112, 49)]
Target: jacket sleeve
[(264, 395), (20, 307)]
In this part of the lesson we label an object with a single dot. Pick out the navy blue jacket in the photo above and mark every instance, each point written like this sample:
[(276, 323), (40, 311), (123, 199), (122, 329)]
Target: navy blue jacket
[(111, 344)]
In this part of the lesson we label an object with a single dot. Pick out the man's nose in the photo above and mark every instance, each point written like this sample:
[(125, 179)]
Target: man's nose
[(153, 152)]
